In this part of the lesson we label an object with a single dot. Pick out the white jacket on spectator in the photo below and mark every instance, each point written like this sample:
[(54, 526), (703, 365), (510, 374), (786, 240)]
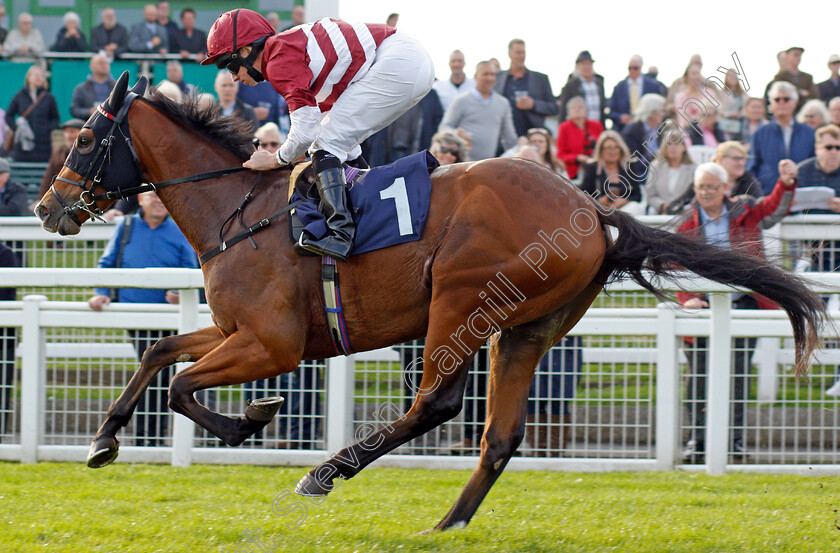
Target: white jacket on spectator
[(16, 39)]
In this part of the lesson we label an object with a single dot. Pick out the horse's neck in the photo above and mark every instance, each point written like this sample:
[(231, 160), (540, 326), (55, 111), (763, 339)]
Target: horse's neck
[(168, 151)]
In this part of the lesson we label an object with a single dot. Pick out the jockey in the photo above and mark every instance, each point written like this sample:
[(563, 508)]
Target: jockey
[(342, 82)]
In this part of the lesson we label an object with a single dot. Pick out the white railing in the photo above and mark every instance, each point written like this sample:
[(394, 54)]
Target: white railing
[(34, 315)]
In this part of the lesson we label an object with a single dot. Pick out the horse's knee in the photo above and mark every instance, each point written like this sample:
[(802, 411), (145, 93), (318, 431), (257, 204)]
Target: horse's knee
[(159, 353), (497, 447), (179, 393), (437, 408)]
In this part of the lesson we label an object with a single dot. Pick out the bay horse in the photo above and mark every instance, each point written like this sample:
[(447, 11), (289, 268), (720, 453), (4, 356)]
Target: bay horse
[(510, 250)]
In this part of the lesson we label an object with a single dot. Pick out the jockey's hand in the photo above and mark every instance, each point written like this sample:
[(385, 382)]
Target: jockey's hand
[(262, 160)]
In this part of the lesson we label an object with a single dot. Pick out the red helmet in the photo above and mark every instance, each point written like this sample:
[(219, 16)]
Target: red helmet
[(249, 25)]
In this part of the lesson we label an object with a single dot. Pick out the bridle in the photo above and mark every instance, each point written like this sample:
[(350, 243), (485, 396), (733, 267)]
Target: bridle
[(87, 200)]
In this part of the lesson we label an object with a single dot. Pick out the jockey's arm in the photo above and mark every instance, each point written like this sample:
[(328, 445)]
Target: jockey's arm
[(305, 126)]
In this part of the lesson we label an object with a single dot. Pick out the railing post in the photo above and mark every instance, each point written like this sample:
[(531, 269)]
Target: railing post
[(667, 388), (717, 383), (340, 402), (183, 429), (33, 379)]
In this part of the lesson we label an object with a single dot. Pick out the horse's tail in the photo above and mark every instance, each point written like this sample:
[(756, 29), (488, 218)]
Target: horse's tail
[(640, 248)]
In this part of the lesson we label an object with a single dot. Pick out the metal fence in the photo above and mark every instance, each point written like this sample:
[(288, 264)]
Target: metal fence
[(618, 394)]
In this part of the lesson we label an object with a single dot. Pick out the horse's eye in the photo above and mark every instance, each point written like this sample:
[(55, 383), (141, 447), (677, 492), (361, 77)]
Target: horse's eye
[(84, 142)]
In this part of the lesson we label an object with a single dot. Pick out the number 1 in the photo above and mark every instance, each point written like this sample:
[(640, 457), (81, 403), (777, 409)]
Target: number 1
[(398, 193)]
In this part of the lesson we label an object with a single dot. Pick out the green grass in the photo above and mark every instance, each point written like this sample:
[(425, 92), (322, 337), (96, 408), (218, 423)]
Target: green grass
[(145, 509)]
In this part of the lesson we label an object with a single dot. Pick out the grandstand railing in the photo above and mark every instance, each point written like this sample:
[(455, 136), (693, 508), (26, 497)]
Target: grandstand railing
[(627, 413)]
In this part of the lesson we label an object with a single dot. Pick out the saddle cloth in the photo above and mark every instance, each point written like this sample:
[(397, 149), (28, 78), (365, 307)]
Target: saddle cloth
[(389, 204)]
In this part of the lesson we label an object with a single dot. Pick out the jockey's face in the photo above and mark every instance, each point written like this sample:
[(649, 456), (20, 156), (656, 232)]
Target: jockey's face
[(243, 77)]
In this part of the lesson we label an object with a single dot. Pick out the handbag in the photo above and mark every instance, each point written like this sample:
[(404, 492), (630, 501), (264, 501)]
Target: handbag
[(9, 142)]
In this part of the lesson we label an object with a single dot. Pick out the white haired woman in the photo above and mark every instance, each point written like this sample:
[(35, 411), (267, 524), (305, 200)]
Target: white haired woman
[(448, 148), (70, 37), (715, 218), (641, 135), (814, 114), (576, 137)]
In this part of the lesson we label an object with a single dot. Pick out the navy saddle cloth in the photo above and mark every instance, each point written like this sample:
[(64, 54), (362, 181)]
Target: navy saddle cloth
[(389, 204)]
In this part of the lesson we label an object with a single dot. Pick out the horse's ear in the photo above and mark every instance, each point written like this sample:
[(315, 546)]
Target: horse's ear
[(115, 100), (140, 87)]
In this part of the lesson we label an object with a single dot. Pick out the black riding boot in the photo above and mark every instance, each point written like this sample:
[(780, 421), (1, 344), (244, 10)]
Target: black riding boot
[(332, 189)]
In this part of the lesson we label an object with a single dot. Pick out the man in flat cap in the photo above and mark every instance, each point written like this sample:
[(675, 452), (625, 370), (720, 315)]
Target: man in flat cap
[(803, 81), (586, 83)]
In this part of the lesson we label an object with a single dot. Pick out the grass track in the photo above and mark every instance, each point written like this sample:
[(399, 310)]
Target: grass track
[(147, 508)]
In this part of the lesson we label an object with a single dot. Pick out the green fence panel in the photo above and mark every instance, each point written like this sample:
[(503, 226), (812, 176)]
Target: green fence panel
[(67, 74), (13, 74)]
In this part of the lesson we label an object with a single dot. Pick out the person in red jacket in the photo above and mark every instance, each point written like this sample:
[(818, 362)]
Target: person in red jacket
[(343, 82), (732, 224), (577, 136)]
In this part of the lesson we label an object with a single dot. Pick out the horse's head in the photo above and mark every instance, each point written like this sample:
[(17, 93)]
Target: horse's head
[(101, 160)]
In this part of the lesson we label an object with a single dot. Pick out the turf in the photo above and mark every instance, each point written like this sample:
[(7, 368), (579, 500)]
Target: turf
[(148, 508)]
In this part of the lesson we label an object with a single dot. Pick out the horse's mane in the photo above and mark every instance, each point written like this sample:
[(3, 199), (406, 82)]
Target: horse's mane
[(229, 132)]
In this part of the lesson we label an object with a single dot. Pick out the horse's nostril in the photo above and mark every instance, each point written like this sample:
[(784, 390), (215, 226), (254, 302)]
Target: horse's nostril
[(42, 212)]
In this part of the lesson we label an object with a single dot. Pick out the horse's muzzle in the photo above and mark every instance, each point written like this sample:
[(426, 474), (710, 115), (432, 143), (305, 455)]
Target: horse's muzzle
[(53, 218)]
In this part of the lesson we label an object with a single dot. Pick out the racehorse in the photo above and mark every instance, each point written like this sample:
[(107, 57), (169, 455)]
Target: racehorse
[(510, 250)]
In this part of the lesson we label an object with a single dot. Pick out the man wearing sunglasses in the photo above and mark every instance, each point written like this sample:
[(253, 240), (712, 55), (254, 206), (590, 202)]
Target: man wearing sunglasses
[(627, 93), (342, 82), (782, 138)]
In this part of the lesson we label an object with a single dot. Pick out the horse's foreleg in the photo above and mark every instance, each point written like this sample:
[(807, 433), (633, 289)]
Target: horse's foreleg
[(439, 399), (240, 358), (166, 351)]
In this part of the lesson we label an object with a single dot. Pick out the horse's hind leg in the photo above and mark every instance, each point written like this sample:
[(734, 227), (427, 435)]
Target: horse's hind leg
[(166, 351), (513, 360), (241, 358)]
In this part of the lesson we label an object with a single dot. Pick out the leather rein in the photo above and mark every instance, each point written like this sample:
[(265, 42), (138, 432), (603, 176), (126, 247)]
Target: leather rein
[(87, 200)]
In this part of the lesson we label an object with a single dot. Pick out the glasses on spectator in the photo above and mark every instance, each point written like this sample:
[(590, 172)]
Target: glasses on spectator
[(268, 144), (708, 187), (831, 147), (781, 99), (446, 150), (632, 67), (736, 158)]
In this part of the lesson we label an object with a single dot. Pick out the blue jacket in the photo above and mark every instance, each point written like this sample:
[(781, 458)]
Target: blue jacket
[(620, 100), (163, 246), (767, 149)]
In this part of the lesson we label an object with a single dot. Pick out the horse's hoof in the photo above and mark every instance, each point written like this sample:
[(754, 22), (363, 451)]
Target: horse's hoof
[(310, 487), (102, 452), (263, 409)]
